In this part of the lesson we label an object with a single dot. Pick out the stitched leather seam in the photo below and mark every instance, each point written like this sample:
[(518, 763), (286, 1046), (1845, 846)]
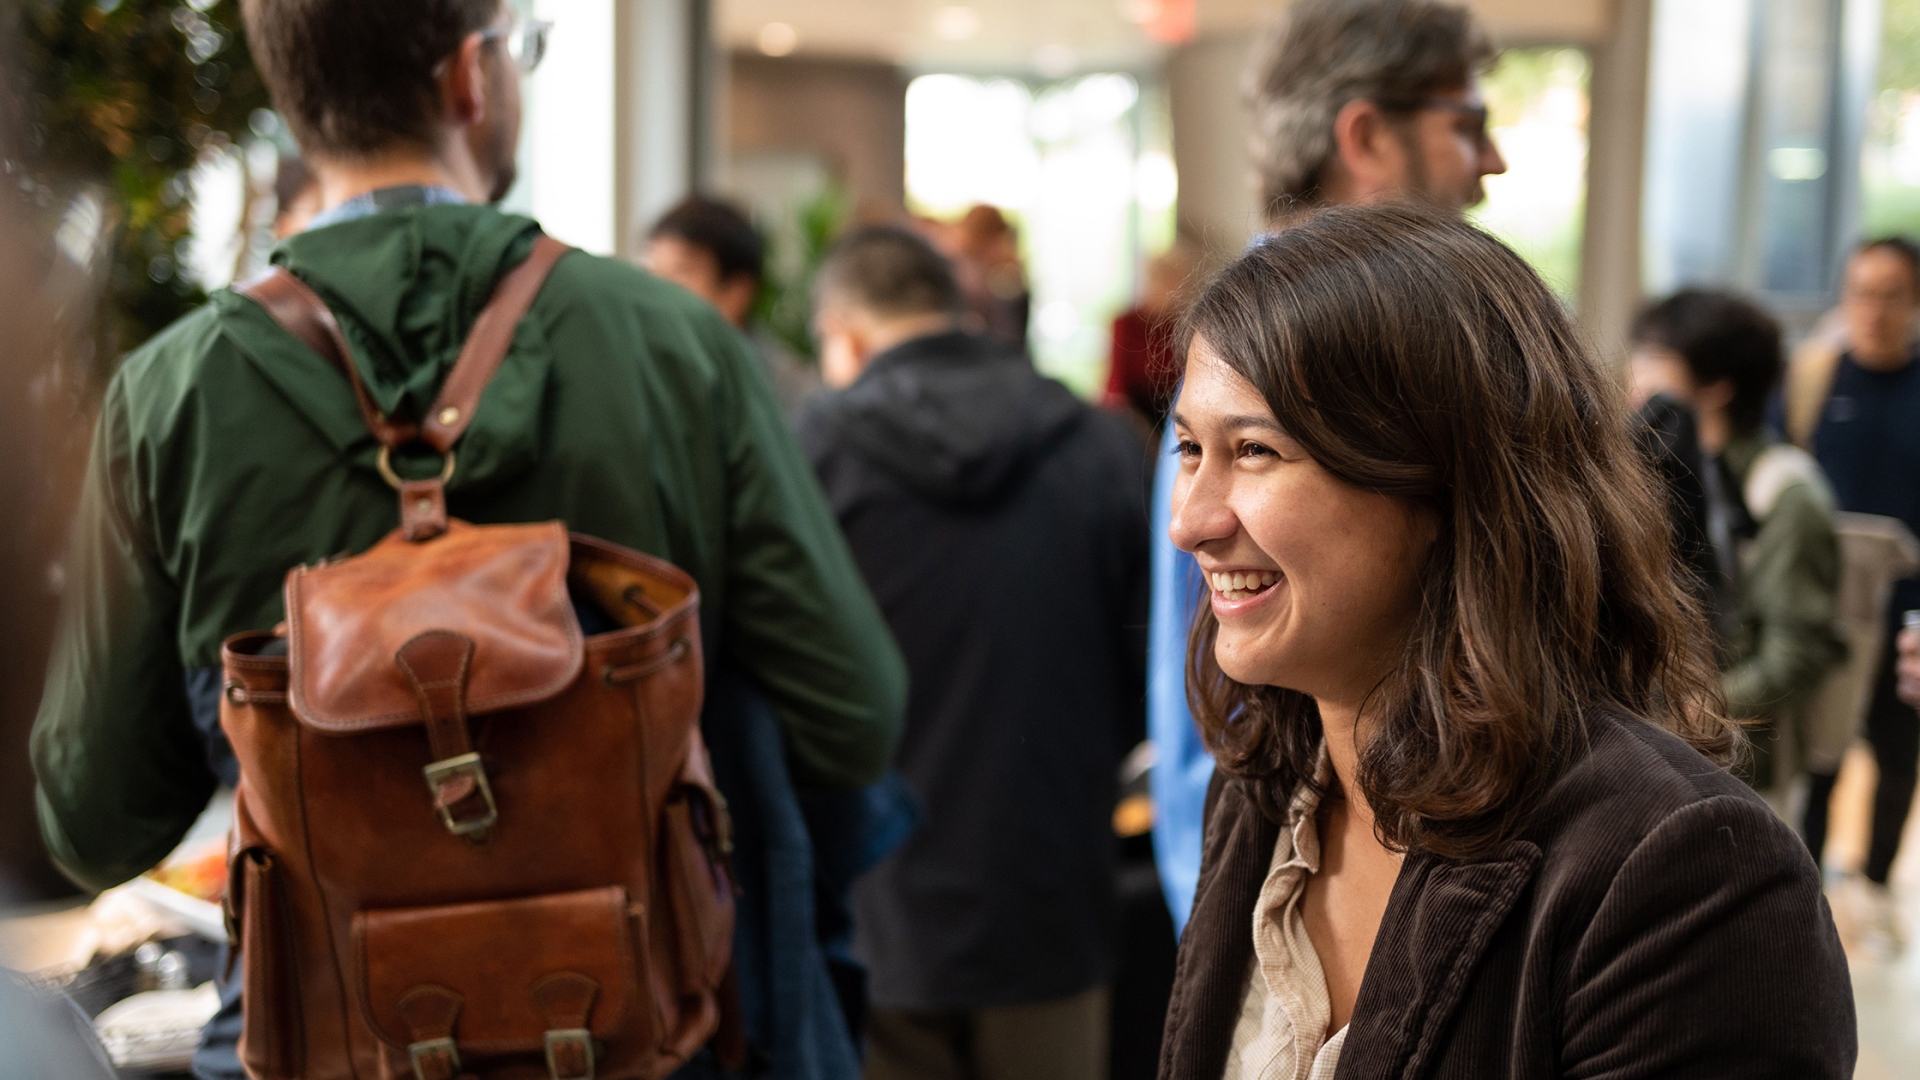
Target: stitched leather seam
[(320, 890)]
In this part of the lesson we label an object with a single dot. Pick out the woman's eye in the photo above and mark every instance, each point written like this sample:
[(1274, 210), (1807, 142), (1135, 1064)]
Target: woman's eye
[(1186, 448), (1256, 450)]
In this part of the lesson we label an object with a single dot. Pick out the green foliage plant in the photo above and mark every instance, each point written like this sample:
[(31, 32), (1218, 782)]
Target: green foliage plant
[(119, 100), (796, 248)]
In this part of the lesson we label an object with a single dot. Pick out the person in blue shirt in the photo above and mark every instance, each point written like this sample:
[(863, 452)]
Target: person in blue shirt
[(1867, 438), (1353, 101)]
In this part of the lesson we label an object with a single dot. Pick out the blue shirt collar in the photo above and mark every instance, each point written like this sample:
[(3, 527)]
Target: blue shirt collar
[(391, 198)]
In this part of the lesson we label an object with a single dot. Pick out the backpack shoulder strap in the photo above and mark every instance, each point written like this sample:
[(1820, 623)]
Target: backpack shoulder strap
[(301, 312), (487, 344)]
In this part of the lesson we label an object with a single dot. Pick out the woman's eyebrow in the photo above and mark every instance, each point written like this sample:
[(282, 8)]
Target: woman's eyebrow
[(1234, 423), (1265, 423)]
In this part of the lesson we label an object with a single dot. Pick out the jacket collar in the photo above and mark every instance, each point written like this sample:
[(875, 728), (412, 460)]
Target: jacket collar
[(1439, 922), (1216, 951), (944, 346)]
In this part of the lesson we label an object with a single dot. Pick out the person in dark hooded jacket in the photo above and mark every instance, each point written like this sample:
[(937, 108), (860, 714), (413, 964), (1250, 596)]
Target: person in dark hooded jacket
[(999, 521)]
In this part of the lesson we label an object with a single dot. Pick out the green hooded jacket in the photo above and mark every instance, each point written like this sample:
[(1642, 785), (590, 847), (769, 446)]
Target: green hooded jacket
[(1784, 642), (228, 452)]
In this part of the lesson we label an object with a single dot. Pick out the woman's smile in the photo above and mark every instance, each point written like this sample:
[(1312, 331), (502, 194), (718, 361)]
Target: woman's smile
[(1238, 592)]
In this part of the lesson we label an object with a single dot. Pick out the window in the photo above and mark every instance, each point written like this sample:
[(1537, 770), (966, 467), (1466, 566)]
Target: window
[(1081, 166), (1537, 101)]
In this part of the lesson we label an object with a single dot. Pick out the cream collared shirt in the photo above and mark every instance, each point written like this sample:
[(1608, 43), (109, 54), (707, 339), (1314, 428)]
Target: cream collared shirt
[(1282, 1031)]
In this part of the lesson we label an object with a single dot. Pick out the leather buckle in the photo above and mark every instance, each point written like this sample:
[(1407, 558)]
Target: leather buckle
[(574, 1045), (434, 1059), (453, 768)]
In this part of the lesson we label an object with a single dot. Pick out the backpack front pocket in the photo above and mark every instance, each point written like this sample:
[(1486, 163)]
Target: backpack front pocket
[(554, 976)]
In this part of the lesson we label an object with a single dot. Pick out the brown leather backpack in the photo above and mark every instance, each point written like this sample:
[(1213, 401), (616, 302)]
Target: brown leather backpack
[(470, 840)]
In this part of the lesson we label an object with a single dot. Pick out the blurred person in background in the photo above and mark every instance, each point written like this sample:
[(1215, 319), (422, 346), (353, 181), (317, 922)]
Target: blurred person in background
[(1353, 101), (1702, 509), (710, 248), (1866, 435), (1720, 356), (42, 1036), (999, 522), (985, 250), (1142, 369), (296, 196), (228, 452)]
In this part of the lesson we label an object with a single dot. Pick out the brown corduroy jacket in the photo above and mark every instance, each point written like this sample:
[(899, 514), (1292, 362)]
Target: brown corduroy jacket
[(1655, 919)]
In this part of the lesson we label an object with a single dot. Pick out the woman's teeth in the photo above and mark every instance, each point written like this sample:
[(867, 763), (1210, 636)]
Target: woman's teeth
[(1240, 585)]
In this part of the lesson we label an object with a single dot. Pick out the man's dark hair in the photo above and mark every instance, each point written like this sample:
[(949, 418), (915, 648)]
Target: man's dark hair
[(1720, 336), (719, 228), (355, 77), (1329, 52), (889, 271), (1906, 250)]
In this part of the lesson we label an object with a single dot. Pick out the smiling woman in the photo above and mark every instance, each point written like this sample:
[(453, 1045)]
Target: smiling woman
[(1483, 559), (1470, 800)]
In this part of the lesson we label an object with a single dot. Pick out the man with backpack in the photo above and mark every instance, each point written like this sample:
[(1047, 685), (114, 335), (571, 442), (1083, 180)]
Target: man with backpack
[(230, 450)]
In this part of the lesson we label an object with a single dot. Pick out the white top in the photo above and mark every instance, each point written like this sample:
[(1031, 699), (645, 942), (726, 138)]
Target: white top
[(1282, 1030)]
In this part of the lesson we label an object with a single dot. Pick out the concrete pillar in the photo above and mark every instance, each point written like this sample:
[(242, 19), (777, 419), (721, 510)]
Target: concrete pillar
[(620, 119), (1616, 153), (664, 69), (1219, 206), (567, 146)]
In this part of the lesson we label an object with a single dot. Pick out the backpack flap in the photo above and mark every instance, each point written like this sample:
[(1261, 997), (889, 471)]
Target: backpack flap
[(502, 588), (431, 631), (547, 975)]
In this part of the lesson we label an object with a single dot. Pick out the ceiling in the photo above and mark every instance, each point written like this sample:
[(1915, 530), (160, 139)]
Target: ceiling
[(1056, 37)]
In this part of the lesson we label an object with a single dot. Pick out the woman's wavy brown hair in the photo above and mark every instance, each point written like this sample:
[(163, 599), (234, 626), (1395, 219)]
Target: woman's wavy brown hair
[(1415, 356)]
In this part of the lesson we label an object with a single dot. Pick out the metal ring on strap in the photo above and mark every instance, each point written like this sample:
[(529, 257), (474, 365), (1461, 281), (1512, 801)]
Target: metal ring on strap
[(385, 464)]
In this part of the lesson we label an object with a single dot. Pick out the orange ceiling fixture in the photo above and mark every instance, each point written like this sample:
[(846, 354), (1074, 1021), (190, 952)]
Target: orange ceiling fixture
[(1167, 21)]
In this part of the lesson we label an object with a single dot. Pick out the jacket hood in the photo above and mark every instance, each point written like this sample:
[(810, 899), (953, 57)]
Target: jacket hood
[(955, 416), (406, 286)]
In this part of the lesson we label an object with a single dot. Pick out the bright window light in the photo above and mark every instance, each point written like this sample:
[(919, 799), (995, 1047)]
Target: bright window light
[(1538, 99), (1063, 161), (956, 23)]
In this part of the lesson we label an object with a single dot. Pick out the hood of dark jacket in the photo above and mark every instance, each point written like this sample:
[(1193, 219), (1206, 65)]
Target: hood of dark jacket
[(955, 416)]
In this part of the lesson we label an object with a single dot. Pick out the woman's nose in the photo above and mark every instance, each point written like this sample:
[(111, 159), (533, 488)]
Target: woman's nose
[(1200, 511)]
